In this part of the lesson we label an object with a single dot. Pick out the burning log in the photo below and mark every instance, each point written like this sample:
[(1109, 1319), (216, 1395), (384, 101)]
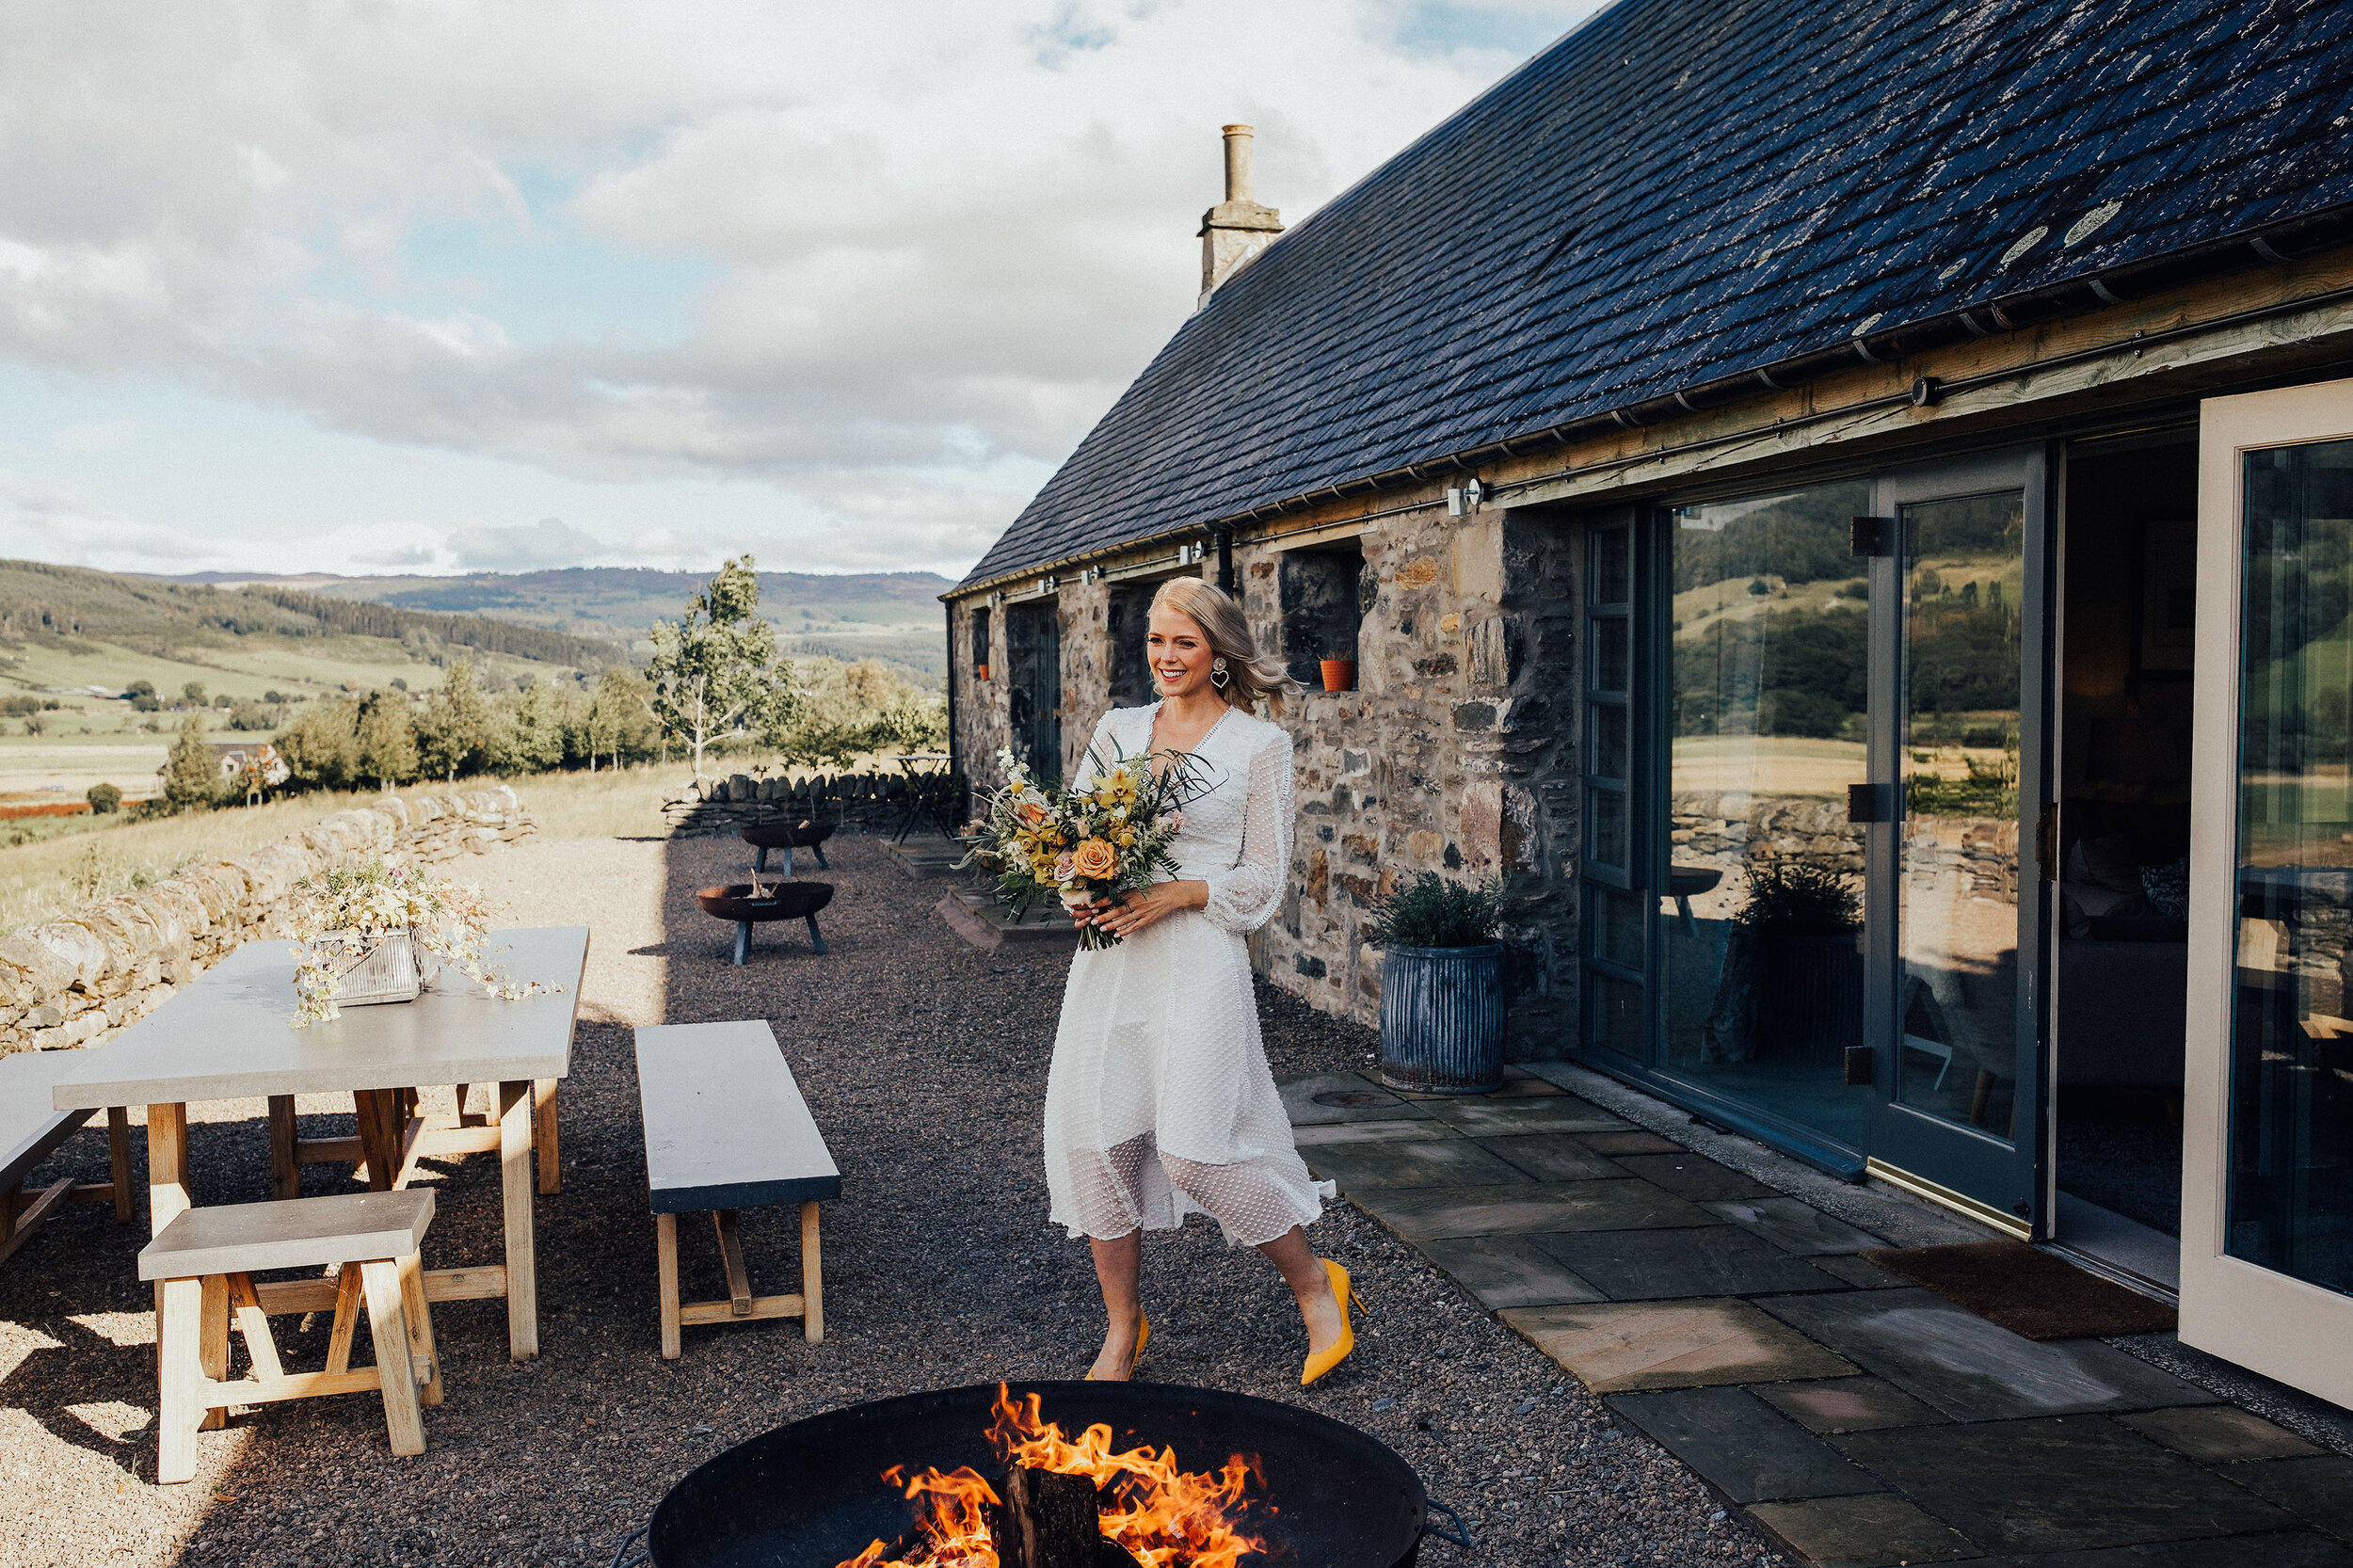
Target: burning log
[(1050, 1520)]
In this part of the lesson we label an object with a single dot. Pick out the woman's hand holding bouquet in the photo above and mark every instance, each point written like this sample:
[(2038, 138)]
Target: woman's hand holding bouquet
[(1096, 841)]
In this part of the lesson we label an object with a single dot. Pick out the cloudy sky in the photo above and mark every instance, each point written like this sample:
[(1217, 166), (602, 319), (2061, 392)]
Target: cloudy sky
[(436, 285)]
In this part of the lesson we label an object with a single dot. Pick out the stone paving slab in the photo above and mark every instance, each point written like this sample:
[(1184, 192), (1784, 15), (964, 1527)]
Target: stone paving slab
[(1863, 1421), (1508, 1270), (1500, 1118), (1525, 1207), (1423, 1162), (1847, 1404), (1873, 1531), (2301, 1550), (1694, 1176), (1621, 1346), (1638, 1142), (1740, 1445), (2218, 1433), (1861, 1273), (2318, 1491), (1330, 1097), (1371, 1132), (1974, 1370), (2060, 1483), (1661, 1264), (1554, 1156), (1795, 1227)]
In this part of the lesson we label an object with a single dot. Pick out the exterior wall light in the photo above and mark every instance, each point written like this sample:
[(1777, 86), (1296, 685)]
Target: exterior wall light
[(1465, 500)]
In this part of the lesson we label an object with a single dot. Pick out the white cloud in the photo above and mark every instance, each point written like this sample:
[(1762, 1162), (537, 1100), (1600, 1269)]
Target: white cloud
[(549, 543), (906, 248)]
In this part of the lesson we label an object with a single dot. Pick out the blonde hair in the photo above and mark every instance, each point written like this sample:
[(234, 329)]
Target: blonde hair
[(1251, 677)]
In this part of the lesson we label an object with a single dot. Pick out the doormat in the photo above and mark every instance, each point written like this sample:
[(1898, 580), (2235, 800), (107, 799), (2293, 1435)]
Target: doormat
[(2026, 1291)]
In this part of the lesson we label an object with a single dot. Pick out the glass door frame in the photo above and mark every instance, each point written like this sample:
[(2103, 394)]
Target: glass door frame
[(1998, 1180), (2271, 1322)]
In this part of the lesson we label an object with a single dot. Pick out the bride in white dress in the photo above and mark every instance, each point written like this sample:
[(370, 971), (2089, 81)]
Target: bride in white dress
[(1160, 1103)]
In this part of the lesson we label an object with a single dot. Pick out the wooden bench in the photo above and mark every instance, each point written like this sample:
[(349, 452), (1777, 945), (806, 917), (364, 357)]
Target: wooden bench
[(206, 1260), (726, 1129), (30, 1131)]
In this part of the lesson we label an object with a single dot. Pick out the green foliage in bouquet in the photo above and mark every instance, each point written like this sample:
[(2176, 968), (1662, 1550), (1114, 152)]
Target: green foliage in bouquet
[(1105, 834), (1433, 912)]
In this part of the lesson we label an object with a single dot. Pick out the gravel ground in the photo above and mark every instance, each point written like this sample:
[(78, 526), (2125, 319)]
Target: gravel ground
[(925, 1061)]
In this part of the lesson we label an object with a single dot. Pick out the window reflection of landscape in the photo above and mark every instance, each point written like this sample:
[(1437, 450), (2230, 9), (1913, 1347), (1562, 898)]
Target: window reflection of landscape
[(1761, 944)]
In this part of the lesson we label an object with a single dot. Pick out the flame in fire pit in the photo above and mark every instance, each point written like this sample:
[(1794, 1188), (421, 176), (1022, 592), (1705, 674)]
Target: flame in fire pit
[(1164, 1516)]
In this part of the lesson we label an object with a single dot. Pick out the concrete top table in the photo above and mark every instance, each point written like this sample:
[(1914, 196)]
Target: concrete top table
[(229, 1036)]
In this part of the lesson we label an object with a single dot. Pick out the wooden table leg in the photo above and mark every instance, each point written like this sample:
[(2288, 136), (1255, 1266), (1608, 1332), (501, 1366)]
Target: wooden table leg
[(517, 1179), (812, 1278), (167, 1180), (213, 1343), (665, 1276), (379, 1135), (119, 1162), (543, 1136), (285, 1172)]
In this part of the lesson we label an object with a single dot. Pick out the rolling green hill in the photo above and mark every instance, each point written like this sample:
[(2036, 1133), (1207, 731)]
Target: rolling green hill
[(68, 627), (891, 616)]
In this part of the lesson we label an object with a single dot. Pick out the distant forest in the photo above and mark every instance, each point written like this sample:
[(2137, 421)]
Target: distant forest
[(365, 618)]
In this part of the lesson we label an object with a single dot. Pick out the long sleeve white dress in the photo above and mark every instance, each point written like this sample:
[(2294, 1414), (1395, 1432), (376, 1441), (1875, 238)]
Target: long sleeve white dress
[(1160, 1103)]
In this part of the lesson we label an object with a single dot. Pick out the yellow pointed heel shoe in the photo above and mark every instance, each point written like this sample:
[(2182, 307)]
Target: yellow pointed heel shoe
[(1144, 1337), (1324, 1360)]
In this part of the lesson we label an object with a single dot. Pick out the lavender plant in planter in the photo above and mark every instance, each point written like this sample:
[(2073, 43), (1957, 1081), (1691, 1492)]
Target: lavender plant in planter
[(1441, 985)]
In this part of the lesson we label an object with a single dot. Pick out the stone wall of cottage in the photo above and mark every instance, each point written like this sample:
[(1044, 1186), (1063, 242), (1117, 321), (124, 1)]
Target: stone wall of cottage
[(72, 982), (1455, 752)]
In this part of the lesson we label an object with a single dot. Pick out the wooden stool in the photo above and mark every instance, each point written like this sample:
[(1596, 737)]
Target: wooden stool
[(206, 1258)]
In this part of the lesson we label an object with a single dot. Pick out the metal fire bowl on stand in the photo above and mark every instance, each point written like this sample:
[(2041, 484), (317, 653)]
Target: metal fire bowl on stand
[(811, 1494)]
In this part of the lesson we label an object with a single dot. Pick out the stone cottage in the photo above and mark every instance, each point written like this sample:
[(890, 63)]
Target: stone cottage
[(1838, 506)]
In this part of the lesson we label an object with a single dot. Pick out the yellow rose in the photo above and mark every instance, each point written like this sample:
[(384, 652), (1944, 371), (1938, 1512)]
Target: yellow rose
[(1094, 859)]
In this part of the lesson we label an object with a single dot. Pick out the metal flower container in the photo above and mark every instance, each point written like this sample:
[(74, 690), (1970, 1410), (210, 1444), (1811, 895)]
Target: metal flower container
[(380, 966)]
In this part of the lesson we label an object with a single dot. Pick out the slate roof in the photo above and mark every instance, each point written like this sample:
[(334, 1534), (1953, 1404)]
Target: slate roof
[(1684, 190)]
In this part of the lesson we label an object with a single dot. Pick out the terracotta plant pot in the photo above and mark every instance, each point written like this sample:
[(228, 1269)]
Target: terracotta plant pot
[(980, 672), (1340, 675)]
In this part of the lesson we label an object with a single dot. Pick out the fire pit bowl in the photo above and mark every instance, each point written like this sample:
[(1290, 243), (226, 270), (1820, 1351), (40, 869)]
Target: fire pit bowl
[(788, 837), (750, 904), (811, 1494)]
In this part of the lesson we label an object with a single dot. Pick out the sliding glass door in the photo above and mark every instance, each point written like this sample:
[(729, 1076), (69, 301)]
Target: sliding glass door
[(1814, 745), (1957, 783)]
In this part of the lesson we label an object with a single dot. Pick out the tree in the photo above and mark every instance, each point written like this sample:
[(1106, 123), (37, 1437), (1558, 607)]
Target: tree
[(191, 772), (715, 670), (533, 740), (455, 734), (193, 694), (620, 717), (321, 748), (385, 739)]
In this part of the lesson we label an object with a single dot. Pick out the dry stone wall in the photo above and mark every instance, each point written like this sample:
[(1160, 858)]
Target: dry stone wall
[(69, 982)]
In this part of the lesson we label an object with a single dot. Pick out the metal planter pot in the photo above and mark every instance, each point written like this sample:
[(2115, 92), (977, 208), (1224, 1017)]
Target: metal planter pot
[(396, 966), (1442, 1019)]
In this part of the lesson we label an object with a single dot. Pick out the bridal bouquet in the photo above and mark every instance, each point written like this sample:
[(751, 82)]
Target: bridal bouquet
[(1106, 835), (354, 918)]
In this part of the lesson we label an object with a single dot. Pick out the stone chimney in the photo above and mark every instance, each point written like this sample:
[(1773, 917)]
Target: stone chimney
[(1236, 227)]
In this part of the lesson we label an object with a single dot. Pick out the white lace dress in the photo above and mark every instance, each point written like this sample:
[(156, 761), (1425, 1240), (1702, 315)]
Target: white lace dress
[(1160, 1103)]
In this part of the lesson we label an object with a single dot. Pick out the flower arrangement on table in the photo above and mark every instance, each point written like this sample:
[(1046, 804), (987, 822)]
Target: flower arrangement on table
[(1104, 836), (342, 918)]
